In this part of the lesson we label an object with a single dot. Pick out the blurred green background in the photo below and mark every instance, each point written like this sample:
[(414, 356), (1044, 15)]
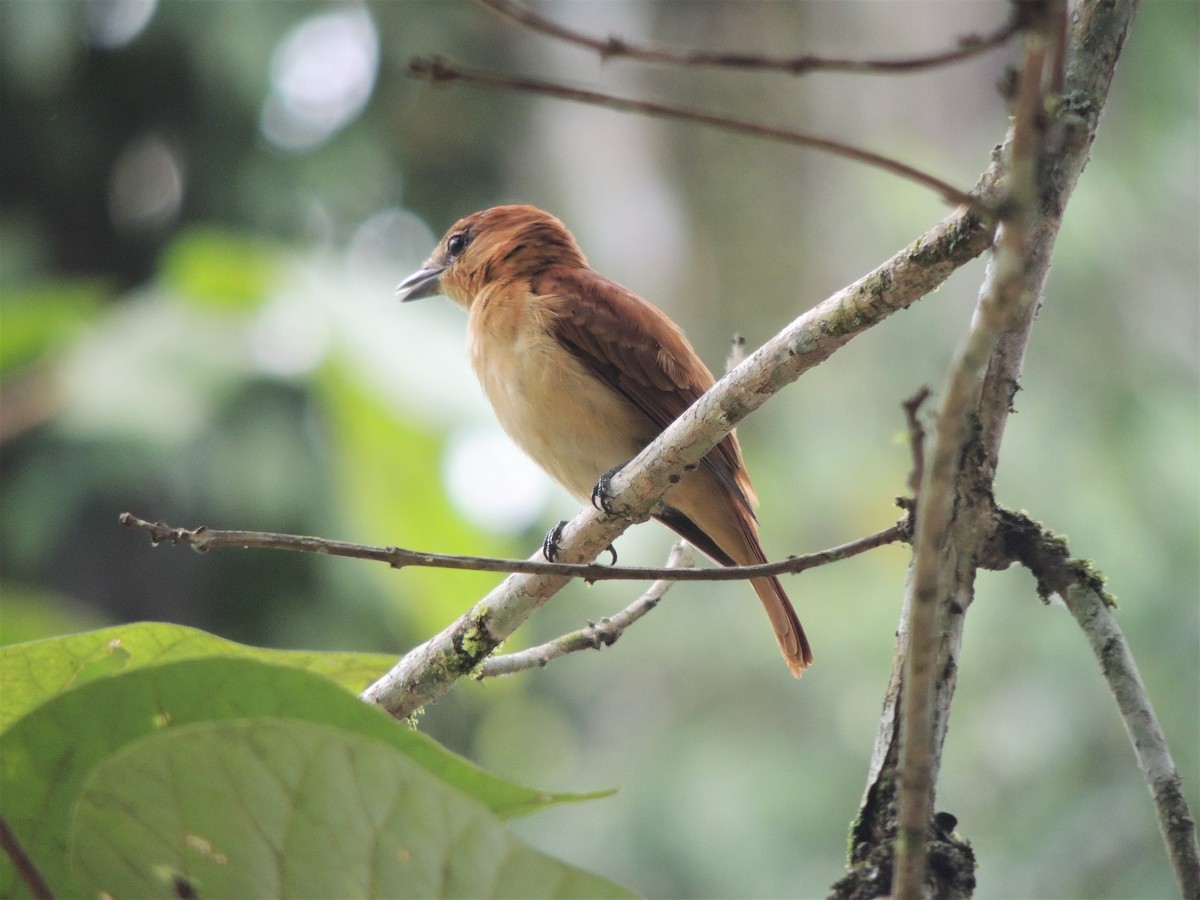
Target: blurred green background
[(206, 206)]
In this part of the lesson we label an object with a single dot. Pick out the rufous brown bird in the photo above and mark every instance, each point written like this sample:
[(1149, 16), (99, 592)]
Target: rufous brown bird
[(583, 374)]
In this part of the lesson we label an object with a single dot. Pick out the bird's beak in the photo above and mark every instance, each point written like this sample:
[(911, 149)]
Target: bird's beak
[(425, 283)]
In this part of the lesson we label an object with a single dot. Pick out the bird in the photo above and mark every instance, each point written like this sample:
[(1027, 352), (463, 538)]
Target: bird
[(583, 374)]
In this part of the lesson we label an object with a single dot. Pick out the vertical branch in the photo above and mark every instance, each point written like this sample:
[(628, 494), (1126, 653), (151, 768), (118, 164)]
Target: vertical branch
[(1093, 43), (935, 554)]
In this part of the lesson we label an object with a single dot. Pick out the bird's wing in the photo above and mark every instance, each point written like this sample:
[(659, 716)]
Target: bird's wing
[(631, 345)]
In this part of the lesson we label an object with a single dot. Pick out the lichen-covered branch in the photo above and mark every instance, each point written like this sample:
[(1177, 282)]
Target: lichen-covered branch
[(1018, 539), (1093, 612)]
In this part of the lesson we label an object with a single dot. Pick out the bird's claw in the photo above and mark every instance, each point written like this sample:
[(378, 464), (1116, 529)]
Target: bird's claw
[(602, 492), (551, 542)]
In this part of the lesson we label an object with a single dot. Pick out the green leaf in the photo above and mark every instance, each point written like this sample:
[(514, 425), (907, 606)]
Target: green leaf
[(46, 755), (34, 672), (219, 270), (40, 320), (386, 473), (270, 808)]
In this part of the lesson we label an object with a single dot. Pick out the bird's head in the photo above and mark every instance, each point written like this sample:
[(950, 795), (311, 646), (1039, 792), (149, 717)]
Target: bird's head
[(500, 244)]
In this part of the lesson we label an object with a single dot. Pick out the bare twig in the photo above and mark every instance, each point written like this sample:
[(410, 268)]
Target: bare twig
[(438, 70), (614, 47), (21, 862), (1175, 820), (916, 437), (934, 560), (203, 539), (597, 634), (428, 671)]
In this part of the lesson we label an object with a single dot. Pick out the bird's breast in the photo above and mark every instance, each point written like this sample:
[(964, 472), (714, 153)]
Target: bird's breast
[(573, 425)]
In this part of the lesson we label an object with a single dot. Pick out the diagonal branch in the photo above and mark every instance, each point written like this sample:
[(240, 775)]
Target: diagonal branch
[(1175, 821), (614, 47), (1019, 539), (438, 70), (430, 670)]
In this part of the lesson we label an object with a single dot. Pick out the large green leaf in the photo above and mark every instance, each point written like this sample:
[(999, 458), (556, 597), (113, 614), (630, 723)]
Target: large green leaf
[(271, 808), (46, 755), (32, 673)]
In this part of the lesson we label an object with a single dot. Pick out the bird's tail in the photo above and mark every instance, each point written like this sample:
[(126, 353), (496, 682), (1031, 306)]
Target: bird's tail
[(731, 538), (788, 630), (793, 643)]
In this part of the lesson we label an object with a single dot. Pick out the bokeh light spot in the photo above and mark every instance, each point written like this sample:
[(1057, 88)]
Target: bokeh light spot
[(112, 24), (322, 75), (145, 189), (492, 483)]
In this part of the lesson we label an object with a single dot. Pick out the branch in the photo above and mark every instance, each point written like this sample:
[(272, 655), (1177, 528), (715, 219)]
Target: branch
[(1094, 615), (203, 539), (24, 866), (916, 437), (934, 559), (615, 47), (438, 70), (597, 634), (1097, 32), (1019, 539), (429, 670)]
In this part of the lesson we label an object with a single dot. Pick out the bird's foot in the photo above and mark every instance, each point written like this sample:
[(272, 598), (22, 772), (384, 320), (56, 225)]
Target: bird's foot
[(552, 544), (602, 492)]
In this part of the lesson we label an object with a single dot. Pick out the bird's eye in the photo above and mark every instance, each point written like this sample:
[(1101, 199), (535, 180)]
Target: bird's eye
[(456, 244)]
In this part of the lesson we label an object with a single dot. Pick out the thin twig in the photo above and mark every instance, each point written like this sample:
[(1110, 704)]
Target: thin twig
[(438, 70), (24, 866), (614, 47), (1175, 820), (203, 539), (597, 634), (933, 556), (916, 437)]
